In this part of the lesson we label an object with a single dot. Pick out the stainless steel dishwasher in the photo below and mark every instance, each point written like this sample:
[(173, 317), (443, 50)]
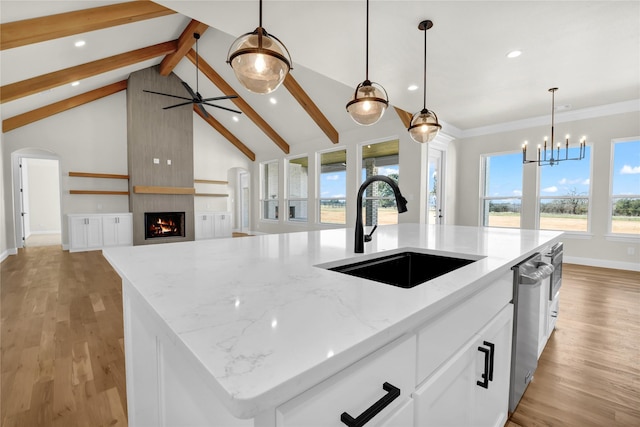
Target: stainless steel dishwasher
[(527, 285)]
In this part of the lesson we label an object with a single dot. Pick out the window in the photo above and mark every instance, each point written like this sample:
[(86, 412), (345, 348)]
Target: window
[(270, 190), (564, 194), (298, 177), (625, 187), (333, 187), (379, 202), (502, 190)]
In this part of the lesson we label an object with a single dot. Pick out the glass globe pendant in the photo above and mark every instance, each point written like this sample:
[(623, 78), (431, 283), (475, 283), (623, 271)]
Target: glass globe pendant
[(424, 125), (370, 100), (259, 60)]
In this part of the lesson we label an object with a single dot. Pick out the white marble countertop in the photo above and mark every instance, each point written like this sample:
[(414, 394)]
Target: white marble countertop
[(266, 324)]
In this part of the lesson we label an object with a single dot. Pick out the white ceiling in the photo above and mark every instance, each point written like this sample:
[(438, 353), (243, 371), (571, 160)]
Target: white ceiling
[(589, 49)]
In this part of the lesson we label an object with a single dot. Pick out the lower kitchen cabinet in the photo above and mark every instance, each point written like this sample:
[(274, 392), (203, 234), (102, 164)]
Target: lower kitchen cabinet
[(472, 387), (95, 231), (117, 230), (212, 225)]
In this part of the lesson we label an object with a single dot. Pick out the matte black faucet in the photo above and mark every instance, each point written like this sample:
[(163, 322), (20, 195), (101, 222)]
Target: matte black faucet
[(401, 203)]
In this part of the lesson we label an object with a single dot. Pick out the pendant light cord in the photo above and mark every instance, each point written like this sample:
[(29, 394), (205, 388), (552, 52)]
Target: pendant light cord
[(424, 75), (197, 66), (553, 103), (367, 38), (260, 20)]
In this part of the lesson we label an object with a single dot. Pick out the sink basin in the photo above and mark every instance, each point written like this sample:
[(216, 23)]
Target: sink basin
[(403, 269)]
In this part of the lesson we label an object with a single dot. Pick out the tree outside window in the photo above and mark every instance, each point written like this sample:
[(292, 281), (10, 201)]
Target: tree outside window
[(625, 188)]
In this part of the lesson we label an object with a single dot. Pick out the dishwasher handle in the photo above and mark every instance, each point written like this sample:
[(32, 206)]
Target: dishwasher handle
[(534, 272)]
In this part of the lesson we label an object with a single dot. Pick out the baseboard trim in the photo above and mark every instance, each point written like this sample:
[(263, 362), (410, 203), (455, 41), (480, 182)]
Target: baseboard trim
[(617, 265), (65, 247), (5, 254)]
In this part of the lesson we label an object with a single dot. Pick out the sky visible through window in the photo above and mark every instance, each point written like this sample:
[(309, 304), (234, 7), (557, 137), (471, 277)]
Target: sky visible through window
[(626, 168), (332, 184), (504, 178), (571, 177)]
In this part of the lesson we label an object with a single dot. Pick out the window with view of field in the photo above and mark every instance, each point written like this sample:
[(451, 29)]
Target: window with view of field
[(379, 202), (270, 190), (297, 180), (501, 199), (333, 187), (563, 196), (625, 187)]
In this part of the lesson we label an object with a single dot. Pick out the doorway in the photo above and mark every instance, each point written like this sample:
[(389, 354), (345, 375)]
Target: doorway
[(435, 187), (36, 179)]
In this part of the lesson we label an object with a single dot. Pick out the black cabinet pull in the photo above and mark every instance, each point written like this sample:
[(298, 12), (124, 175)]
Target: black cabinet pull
[(392, 393), (491, 356), (485, 375)]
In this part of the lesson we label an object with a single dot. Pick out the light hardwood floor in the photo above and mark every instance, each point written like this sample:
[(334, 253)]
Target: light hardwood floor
[(62, 360)]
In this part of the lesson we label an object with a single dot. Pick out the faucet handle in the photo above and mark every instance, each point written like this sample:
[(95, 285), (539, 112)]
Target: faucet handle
[(367, 237)]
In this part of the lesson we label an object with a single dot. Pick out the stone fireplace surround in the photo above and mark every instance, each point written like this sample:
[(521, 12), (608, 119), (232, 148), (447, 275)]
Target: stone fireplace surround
[(160, 153)]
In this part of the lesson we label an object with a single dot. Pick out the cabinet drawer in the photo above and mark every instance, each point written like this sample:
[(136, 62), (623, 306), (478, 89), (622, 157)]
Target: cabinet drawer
[(357, 388), (442, 337)]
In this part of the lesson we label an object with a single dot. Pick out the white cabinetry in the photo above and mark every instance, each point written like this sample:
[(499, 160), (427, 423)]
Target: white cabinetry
[(212, 225), (117, 230), (95, 231), (384, 379), (85, 232)]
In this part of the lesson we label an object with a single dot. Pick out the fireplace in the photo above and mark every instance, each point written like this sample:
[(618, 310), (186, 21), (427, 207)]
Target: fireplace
[(163, 224)]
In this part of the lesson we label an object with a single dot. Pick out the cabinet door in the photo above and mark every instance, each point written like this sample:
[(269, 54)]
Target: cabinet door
[(109, 230), (222, 225), (94, 232), (204, 226), (492, 403), (77, 233), (447, 397), (125, 230)]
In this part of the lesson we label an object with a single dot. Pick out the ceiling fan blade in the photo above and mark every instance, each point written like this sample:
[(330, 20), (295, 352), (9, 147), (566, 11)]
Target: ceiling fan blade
[(165, 94), (177, 105), (217, 98), (191, 92), (204, 112), (223, 108)]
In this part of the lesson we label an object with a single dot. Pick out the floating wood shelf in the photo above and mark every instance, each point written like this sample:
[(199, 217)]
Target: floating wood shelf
[(209, 181), (113, 193), (98, 175), (145, 189), (212, 195)]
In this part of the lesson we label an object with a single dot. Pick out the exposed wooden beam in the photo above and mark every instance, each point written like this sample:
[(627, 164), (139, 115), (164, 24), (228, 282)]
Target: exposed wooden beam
[(44, 82), (225, 132), (49, 110), (212, 75), (28, 31), (185, 43), (405, 116), (311, 108)]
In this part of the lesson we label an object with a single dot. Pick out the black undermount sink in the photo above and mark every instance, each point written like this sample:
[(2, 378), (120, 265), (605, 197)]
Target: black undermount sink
[(404, 269)]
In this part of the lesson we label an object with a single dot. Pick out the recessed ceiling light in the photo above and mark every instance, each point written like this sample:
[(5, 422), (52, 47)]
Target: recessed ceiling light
[(273, 101), (75, 83), (235, 118), (514, 54), (412, 87), (80, 43)]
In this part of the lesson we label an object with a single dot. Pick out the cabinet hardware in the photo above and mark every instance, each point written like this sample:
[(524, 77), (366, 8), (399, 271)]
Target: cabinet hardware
[(485, 375), (491, 356), (392, 393)]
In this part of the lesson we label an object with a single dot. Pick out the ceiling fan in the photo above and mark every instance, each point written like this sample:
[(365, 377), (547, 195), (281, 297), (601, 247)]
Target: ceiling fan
[(196, 98)]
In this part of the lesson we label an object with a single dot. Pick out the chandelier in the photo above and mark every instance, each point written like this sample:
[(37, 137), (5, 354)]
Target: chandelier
[(542, 159)]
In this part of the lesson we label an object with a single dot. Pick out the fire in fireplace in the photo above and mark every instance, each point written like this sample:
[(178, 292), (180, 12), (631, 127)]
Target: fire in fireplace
[(163, 224)]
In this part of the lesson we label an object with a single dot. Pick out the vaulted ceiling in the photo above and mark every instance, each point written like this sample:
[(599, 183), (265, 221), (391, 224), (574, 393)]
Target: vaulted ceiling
[(588, 49)]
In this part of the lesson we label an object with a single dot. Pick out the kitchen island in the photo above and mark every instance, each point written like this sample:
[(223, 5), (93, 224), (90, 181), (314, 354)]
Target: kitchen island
[(250, 331)]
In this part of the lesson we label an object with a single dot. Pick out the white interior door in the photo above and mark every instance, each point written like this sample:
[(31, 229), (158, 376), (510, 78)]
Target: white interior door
[(435, 187), (244, 202)]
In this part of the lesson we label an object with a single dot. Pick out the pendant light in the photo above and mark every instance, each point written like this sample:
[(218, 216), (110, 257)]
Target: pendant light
[(370, 100), (424, 125), (259, 60)]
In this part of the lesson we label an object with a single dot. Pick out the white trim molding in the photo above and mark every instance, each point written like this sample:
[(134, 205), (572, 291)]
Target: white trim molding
[(11, 251), (604, 263)]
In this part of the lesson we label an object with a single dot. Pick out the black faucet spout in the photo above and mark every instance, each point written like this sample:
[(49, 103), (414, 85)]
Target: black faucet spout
[(401, 203)]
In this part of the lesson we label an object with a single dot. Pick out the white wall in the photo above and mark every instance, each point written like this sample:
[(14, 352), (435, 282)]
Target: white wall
[(213, 156), (412, 181), (44, 195), (4, 216), (595, 248)]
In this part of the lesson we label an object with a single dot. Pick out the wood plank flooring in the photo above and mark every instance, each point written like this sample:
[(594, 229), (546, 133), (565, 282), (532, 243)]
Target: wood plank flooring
[(62, 359)]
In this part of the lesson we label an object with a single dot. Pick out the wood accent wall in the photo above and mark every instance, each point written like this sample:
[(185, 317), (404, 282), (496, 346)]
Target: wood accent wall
[(154, 133)]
